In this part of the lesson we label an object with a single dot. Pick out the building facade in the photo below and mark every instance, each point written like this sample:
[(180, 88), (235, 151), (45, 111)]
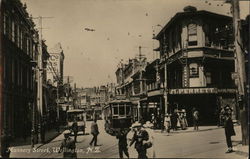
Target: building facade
[(197, 60), (19, 48), (131, 83)]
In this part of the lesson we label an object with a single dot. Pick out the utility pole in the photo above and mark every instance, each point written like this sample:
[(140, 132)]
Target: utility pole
[(68, 89), (40, 77), (240, 69)]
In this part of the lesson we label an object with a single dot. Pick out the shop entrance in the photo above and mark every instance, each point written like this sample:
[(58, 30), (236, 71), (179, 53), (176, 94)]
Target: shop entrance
[(205, 104)]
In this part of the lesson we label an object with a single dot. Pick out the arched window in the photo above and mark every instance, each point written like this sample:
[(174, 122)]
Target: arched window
[(192, 34)]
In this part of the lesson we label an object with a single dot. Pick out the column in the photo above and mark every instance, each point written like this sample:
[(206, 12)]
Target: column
[(166, 88)]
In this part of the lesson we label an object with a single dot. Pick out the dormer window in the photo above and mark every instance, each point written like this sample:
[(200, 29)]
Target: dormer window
[(192, 34)]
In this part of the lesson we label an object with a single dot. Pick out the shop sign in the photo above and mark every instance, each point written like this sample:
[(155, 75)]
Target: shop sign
[(193, 91), (200, 91)]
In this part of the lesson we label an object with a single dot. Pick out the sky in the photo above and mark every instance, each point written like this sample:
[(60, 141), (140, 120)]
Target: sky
[(121, 26)]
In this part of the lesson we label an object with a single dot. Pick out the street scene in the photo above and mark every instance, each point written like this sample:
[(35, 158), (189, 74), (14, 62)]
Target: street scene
[(124, 79)]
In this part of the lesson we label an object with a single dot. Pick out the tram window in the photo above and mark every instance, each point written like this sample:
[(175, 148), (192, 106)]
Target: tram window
[(115, 110), (121, 110), (128, 110)]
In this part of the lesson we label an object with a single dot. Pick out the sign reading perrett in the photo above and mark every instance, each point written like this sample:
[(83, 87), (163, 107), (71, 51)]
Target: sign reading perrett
[(200, 91)]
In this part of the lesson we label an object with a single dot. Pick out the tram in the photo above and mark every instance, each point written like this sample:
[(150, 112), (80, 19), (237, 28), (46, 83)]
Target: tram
[(79, 115), (98, 113), (89, 114), (118, 114)]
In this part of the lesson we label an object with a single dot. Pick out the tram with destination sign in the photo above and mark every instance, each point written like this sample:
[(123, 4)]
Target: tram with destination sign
[(118, 114)]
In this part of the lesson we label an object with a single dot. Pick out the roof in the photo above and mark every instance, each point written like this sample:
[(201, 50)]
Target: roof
[(120, 101), (191, 14), (75, 110)]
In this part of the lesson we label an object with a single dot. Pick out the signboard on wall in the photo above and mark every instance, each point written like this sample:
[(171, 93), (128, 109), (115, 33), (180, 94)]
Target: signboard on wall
[(200, 91)]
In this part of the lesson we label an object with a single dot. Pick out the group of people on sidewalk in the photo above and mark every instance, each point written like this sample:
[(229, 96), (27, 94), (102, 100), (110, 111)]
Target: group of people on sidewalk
[(175, 120)]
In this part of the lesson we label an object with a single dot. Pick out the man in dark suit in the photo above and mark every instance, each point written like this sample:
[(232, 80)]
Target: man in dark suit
[(75, 129), (229, 129), (139, 138), (122, 143), (94, 132)]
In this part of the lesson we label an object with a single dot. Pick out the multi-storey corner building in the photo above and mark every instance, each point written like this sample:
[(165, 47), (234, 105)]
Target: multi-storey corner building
[(196, 62)]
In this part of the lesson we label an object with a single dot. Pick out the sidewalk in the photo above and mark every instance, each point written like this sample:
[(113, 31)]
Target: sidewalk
[(240, 150), (191, 129), (49, 135)]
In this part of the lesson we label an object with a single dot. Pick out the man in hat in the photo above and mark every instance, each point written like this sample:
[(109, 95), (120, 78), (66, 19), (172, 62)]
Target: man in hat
[(229, 128), (94, 132), (139, 138), (148, 127), (74, 128), (122, 143), (195, 119), (167, 123), (68, 146)]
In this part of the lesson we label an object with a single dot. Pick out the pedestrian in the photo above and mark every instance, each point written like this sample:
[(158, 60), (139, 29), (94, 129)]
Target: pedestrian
[(229, 129), (94, 132), (182, 118), (68, 146), (140, 139), (195, 119), (122, 143), (5, 143), (43, 130), (74, 128), (148, 127), (175, 119), (153, 120), (167, 123), (57, 125)]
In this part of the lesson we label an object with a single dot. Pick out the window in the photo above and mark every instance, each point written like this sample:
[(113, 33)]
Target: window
[(4, 23), (193, 70), (12, 31), (4, 67), (13, 70), (16, 34), (115, 110), (192, 35), (121, 110), (208, 77), (28, 46), (128, 110), (21, 38)]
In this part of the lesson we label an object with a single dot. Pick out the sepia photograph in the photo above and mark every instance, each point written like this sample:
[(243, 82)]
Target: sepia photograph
[(124, 79)]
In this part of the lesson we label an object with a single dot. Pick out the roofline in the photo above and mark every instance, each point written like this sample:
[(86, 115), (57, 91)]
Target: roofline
[(178, 14)]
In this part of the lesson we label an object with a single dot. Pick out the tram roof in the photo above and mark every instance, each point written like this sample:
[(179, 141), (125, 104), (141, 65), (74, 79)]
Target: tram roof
[(75, 110), (120, 101)]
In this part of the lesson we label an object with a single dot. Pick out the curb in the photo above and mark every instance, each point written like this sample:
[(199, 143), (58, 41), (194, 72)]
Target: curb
[(48, 141), (189, 131)]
